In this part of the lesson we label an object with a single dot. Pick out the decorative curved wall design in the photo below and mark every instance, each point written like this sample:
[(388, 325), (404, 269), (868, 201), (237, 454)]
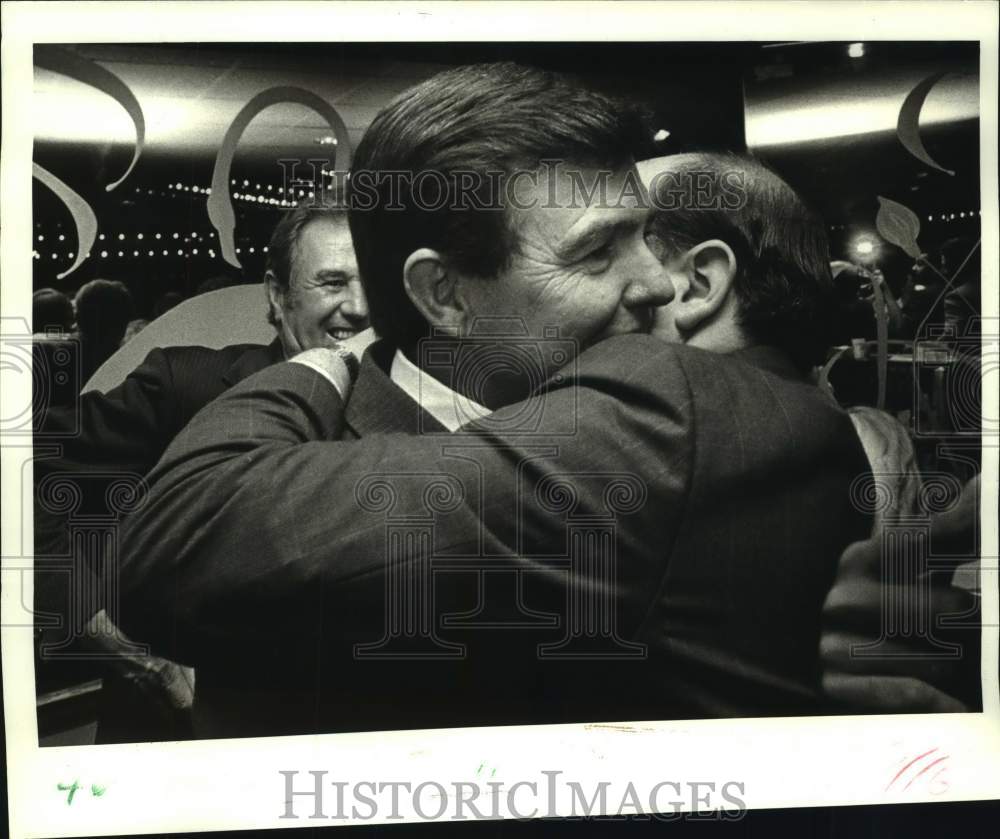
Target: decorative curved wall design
[(220, 205)]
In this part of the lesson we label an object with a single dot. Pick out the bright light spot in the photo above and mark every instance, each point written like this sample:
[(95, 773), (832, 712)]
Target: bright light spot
[(801, 117), (101, 237), (121, 253), (151, 253), (864, 247), (103, 254), (61, 237), (250, 249), (856, 50), (41, 238), (157, 235), (177, 235), (139, 236), (658, 137), (919, 287), (121, 236)]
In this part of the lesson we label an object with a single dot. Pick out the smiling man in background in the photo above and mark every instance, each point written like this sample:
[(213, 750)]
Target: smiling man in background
[(314, 299), (314, 293)]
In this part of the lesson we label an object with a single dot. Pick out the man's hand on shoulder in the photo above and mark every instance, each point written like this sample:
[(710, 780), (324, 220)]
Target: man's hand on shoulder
[(338, 364), (907, 672)]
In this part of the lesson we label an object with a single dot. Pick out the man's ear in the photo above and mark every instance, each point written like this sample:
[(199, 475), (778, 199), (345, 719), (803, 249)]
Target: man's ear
[(275, 297), (433, 289), (710, 268)]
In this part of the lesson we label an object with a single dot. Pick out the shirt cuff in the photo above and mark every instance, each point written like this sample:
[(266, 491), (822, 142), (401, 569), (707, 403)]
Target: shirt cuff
[(335, 364)]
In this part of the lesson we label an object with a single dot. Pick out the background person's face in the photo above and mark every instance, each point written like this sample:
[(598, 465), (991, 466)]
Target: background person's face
[(324, 302), (583, 268)]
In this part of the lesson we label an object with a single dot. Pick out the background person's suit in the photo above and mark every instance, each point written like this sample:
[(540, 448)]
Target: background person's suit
[(99, 440), (258, 542)]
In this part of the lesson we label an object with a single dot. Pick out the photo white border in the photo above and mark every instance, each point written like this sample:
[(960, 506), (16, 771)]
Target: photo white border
[(234, 784)]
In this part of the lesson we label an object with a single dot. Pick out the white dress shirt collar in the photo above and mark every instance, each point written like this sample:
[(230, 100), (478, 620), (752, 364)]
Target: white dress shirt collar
[(449, 408)]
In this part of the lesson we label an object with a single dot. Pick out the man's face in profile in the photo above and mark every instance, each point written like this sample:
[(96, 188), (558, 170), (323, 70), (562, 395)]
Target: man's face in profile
[(581, 263), (325, 302)]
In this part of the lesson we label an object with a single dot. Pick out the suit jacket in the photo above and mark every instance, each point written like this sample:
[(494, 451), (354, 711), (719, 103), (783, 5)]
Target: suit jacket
[(662, 522), (104, 439)]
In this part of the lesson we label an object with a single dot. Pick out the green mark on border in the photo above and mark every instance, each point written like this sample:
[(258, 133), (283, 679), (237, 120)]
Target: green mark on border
[(70, 788)]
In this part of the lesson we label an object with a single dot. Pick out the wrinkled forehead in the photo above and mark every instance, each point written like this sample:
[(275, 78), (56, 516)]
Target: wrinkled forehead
[(322, 233), (326, 241)]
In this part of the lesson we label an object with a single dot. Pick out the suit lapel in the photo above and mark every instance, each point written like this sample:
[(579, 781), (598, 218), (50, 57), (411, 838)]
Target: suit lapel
[(378, 406)]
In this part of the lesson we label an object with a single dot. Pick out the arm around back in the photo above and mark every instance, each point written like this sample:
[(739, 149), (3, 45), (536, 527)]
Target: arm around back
[(257, 508)]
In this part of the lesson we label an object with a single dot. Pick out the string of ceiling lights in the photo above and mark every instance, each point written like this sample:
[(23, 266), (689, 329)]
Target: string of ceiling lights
[(945, 217), (261, 193), (267, 194)]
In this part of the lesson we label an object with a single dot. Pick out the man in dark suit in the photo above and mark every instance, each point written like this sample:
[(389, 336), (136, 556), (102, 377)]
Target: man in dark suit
[(314, 298), (736, 240), (678, 512)]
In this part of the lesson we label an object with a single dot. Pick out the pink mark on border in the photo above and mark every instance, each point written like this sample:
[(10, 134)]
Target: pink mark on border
[(923, 771)]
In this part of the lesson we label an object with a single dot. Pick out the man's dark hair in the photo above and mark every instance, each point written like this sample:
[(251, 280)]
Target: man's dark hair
[(783, 283), (51, 310), (477, 119), (285, 239), (103, 310)]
